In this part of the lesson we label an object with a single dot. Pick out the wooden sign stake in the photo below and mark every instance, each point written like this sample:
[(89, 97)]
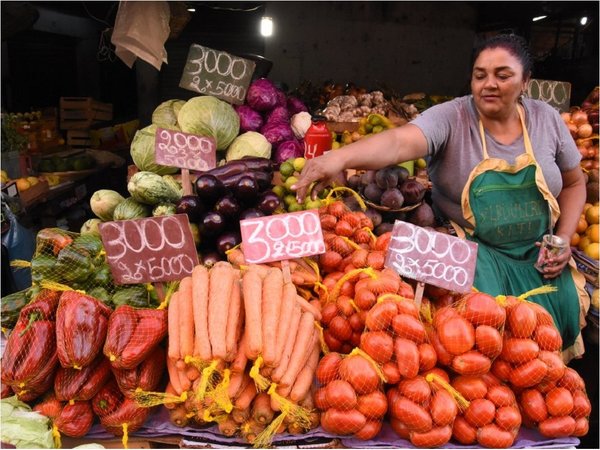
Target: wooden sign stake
[(285, 268), (185, 182), (160, 291), (419, 293)]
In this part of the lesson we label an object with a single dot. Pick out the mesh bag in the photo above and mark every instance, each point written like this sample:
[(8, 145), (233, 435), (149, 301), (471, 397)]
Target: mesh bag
[(350, 395), (82, 384), (73, 419), (490, 416), (467, 335), (30, 357)]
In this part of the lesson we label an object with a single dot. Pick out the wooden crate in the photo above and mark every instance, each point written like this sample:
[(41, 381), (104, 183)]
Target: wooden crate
[(79, 139), (77, 113)]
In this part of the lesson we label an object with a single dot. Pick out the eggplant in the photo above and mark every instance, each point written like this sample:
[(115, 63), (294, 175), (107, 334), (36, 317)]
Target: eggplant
[(268, 202), (209, 188), (246, 188), (251, 213), (210, 258), (258, 163), (212, 224), (228, 169), (190, 205), (262, 178), (228, 206), (227, 241)]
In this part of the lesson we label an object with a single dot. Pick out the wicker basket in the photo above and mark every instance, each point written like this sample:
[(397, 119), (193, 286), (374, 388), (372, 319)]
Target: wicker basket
[(587, 266)]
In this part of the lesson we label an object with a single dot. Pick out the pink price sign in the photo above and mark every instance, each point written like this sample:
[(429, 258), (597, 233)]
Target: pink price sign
[(184, 150), (282, 236), (432, 257)]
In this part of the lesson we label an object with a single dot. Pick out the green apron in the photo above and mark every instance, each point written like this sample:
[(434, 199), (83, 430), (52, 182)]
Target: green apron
[(507, 206)]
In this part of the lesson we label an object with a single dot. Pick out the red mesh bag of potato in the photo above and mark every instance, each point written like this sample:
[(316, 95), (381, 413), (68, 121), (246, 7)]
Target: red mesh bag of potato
[(423, 409), (491, 418), (557, 410), (350, 396), (467, 336)]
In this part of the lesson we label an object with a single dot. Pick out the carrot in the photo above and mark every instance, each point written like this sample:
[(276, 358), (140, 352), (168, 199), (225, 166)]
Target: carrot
[(169, 389), (237, 382), (271, 308), (261, 408), (178, 416), (236, 257), (233, 321), (252, 293), (185, 382), (228, 427), (192, 373), (289, 344), (173, 327), (200, 284), (174, 375), (240, 415), (186, 318), (302, 348), (309, 307), (287, 307), (221, 277), (245, 397), (306, 376), (240, 361)]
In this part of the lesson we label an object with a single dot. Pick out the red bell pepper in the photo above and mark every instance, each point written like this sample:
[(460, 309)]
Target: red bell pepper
[(75, 420), (81, 385), (108, 399), (146, 376), (128, 413)]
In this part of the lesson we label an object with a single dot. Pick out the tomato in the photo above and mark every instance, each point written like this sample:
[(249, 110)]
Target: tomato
[(438, 373), (442, 315), (534, 405), (519, 351), (359, 373), (501, 369), (557, 427), (582, 426), (556, 366), (339, 394), (381, 315), (344, 304), (470, 387), (457, 335), (495, 437), (400, 428), (391, 372), (521, 320), (321, 399), (501, 396), (545, 386), (356, 322), (581, 405), (407, 357), (328, 312), (435, 437), (408, 327), (488, 341), (416, 389), (373, 405), (427, 357), (51, 407), (490, 379), (379, 345), (548, 338), (528, 374), (342, 422), (327, 369), (482, 309), (463, 432), (471, 363), (333, 344), (571, 380), (508, 418), (408, 307), (415, 417), (369, 430), (559, 402), (364, 299), (443, 408), (543, 316), (442, 354), (480, 412)]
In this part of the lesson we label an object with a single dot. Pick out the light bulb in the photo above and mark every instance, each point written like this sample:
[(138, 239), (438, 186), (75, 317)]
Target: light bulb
[(266, 26), (583, 20)]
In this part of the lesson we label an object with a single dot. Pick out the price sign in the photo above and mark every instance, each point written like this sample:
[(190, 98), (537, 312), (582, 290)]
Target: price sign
[(282, 236), (432, 257), (217, 73), (184, 150), (153, 249)]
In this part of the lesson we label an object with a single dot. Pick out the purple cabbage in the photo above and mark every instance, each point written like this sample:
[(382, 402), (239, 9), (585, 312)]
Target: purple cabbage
[(278, 114), (277, 132), (288, 149), (262, 95), (295, 105), (250, 120), (281, 98)]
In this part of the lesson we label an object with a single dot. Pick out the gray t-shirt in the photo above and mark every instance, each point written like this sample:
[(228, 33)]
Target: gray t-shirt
[(454, 148)]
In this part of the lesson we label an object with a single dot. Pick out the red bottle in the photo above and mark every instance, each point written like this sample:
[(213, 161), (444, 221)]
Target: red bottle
[(317, 139)]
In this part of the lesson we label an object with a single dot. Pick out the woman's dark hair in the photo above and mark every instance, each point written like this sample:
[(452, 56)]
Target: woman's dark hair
[(513, 44)]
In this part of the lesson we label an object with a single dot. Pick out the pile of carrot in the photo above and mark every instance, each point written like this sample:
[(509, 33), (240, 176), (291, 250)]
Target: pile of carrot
[(243, 347)]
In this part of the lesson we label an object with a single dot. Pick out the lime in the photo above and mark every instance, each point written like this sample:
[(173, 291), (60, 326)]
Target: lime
[(313, 204), (299, 163), (289, 182), (286, 169), (279, 190), (421, 163), (289, 199), (377, 129), (295, 207)]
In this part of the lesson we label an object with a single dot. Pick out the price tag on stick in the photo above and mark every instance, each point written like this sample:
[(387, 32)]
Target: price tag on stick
[(432, 257), (152, 249), (282, 236)]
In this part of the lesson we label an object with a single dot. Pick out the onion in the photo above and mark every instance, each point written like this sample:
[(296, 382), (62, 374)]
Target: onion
[(595, 164), (586, 143), (587, 164), (591, 153), (585, 130), (579, 117), (572, 129), (566, 116), (583, 152)]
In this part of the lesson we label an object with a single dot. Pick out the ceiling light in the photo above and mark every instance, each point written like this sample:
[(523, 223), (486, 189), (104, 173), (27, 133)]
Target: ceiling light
[(191, 9), (583, 20), (266, 26), (535, 19)]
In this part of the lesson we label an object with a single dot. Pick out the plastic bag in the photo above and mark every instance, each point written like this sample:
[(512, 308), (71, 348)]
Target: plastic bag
[(141, 29), (20, 243)]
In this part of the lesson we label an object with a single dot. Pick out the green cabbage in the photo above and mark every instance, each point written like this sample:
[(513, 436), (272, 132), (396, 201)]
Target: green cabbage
[(209, 116), (23, 427), (142, 152), (249, 143), (165, 114)]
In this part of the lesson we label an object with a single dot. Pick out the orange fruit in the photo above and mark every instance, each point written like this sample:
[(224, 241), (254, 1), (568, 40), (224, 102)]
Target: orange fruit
[(575, 240), (581, 225), (593, 232), (23, 184), (593, 250), (583, 243), (585, 208), (592, 214)]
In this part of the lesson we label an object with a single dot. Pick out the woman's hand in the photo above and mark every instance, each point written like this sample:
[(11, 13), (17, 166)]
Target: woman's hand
[(555, 264), (324, 170)]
